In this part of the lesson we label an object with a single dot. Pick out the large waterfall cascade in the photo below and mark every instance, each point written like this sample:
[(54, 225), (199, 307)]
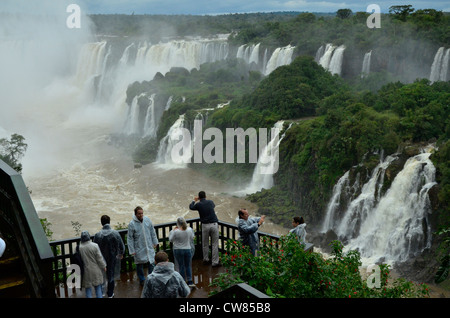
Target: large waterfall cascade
[(108, 80), (281, 56), (440, 66), (331, 57), (260, 57), (391, 226)]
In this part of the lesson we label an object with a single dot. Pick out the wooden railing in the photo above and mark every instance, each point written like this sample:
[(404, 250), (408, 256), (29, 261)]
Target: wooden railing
[(63, 249)]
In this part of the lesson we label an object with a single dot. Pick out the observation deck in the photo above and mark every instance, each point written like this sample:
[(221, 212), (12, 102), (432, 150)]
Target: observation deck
[(33, 267)]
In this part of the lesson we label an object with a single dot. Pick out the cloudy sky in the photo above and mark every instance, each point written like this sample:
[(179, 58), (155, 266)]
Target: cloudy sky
[(229, 6)]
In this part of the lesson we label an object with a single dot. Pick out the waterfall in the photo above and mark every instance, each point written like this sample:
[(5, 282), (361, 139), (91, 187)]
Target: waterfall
[(439, 68), (281, 56), (332, 58), (126, 55), (319, 53), (261, 179), (362, 206), (90, 62), (389, 227), (325, 59), (335, 201), (167, 144), (366, 64), (151, 122), (248, 53), (104, 73), (132, 122), (336, 60), (169, 102), (182, 53), (254, 56)]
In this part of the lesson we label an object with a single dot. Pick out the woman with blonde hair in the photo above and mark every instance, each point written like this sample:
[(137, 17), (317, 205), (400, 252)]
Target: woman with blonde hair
[(182, 237)]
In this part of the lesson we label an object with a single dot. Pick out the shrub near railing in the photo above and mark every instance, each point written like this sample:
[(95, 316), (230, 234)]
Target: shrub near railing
[(284, 269)]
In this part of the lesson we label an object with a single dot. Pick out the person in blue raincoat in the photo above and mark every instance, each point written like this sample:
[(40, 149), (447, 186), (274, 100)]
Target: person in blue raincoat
[(248, 228), (142, 241)]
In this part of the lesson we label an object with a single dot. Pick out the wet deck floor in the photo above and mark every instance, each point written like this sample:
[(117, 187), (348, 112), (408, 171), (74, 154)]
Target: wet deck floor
[(128, 286)]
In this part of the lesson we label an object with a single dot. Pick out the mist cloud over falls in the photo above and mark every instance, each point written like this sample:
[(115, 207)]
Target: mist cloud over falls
[(39, 97)]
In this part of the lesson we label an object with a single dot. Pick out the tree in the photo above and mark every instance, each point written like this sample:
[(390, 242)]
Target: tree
[(344, 13), (11, 151), (401, 12)]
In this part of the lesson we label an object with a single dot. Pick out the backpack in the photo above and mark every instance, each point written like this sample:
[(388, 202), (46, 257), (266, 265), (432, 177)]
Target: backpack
[(75, 258)]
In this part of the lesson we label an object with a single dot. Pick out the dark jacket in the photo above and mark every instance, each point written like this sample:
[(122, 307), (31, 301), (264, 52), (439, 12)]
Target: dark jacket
[(205, 209), (110, 243)]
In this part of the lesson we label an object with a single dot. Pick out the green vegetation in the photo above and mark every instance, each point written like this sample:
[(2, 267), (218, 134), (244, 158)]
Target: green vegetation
[(157, 27), (337, 122), (12, 151), (308, 31), (283, 269), (197, 91)]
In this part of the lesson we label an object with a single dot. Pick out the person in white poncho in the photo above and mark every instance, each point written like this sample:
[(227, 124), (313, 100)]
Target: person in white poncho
[(299, 229), (142, 241), (164, 281)]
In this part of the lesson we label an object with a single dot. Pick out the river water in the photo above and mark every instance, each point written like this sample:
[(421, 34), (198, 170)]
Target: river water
[(106, 182)]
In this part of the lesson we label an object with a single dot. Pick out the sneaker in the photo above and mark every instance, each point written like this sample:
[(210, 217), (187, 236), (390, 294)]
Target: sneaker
[(112, 296), (217, 265), (192, 285)]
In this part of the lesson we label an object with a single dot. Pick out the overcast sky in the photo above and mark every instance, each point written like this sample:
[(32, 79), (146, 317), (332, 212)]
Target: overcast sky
[(225, 6)]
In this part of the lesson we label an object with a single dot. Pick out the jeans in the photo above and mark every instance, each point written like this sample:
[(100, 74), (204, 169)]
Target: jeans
[(98, 291), (184, 258), (140, 271)]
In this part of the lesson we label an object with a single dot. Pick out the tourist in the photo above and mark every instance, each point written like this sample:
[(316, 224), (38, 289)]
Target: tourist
[(164, 281), (112, 248), (210, 227), (182, 237), (142, 241), (299, 229), (94, 266), (248, 228)]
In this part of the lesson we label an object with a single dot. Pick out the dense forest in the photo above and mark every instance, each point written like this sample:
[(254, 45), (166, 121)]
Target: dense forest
[(338, 122)]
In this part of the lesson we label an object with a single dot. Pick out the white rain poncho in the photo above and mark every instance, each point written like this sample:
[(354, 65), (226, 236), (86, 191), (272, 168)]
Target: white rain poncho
[(94, 263), (141, 238), (300, 232), (165, 282)]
